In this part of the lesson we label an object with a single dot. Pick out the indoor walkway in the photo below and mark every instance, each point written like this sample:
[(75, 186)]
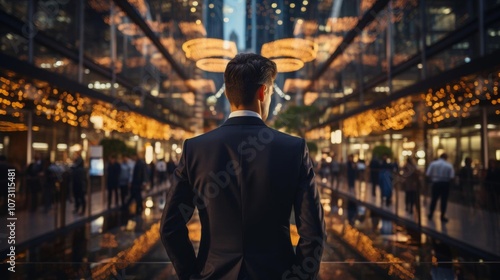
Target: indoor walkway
[(33, 225), (475, 229)]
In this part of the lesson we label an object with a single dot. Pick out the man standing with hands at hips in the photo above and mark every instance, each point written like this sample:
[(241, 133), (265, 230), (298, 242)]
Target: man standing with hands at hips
[(244, 178)]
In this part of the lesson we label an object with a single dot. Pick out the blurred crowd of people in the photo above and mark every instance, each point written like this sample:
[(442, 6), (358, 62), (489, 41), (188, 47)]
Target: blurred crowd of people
[(471, 185), (43, 183)]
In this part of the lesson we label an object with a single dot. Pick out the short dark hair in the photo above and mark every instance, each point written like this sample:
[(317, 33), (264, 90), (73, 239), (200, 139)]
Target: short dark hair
[(244, 74)]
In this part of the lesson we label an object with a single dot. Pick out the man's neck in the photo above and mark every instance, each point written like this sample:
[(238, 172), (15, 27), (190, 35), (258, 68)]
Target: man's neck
[(244, 113)]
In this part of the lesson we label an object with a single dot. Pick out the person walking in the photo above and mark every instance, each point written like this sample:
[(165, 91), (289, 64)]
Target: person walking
[(351, 169), (411, 183), (34, 177), (385, 180), (79, 181), (52, 178), (161, 170), (492, 185), (466, 181), (335, 172), (244, 178), (440, 173), (151, 175), (171, 166), (125, 179), (374, 172), (138, 183), (113, 180)]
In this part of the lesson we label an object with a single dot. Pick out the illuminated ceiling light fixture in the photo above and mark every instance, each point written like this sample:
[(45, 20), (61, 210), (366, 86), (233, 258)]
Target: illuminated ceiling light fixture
[(212, 64), (210, 54), (290, 54), (288, 64)]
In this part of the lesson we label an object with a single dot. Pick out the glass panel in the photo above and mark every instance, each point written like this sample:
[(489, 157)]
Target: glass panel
[(50, 60), (129, 60), (98, 82), (97, 36), (13, 44), (444, 16), (406, 30), (379, 91), (458, 54), (374, 38), (492, 38), (58, 19), (16, 8), (407, 78)]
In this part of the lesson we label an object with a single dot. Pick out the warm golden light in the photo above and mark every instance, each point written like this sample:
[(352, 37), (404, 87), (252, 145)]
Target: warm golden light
[(210, 54), (460, 98), (363, 244), (310, 97), (76, 110), (124, 258), (398, 115), (209, 47), (298, 48), (290, 54), (295, 85), (288, 64)]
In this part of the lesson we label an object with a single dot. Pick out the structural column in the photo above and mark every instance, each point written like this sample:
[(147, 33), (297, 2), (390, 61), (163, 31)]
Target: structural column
[(484, 136), (29, 140)]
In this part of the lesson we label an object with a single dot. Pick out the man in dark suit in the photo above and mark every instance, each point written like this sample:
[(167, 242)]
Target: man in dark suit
[(113, 179), (244, 178)]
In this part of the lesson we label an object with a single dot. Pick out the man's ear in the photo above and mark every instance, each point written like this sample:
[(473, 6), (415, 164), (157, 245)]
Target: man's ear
[(261, 92)]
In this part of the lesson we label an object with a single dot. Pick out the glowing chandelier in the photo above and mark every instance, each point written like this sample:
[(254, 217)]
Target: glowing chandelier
[(210, 54), (290, 54)]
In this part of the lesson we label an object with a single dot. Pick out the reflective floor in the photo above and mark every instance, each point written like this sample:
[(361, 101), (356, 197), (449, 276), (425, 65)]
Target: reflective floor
[(363, 243)]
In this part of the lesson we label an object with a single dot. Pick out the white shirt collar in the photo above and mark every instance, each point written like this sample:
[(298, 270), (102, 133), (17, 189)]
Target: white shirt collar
[(244, 113)]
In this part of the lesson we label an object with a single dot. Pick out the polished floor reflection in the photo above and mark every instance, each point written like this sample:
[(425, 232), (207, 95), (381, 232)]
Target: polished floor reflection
[(365, 241), (470, 226)]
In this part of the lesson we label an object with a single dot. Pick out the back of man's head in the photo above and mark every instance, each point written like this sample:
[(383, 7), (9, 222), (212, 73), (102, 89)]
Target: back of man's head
[(244, 74), (444, 156), (468, 161)]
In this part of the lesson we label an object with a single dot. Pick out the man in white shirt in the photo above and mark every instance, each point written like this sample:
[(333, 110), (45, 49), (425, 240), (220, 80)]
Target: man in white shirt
[(440, 172)]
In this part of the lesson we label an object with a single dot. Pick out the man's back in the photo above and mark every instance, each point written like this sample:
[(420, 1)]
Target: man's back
[(440, 171), (244, 179)]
